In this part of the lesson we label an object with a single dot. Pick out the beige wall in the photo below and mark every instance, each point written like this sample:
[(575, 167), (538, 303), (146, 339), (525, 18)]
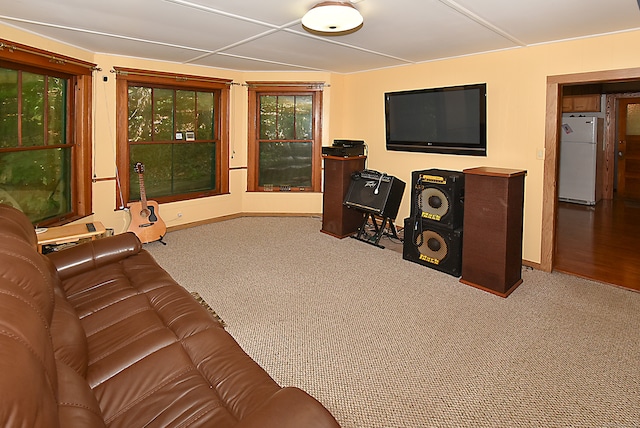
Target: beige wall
[(516, 109), (354, 108)]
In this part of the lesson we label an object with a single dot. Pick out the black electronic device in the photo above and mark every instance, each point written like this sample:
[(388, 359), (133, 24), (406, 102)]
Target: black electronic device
[(91, 227), (343, 151), (376, 193), (438, 196), (450, 120), (348, 143)]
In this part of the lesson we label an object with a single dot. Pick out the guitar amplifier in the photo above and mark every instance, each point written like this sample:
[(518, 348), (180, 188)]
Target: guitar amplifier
[(376, 193)]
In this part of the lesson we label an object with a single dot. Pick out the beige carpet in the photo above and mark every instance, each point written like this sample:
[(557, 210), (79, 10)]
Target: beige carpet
[(383, 342)]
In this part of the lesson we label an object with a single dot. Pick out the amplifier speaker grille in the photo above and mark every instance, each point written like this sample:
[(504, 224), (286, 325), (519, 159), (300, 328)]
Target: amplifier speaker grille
[(438, 196), (434, 246)]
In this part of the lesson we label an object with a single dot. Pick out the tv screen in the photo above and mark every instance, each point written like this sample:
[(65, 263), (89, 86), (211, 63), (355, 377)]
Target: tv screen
[(451, 120)]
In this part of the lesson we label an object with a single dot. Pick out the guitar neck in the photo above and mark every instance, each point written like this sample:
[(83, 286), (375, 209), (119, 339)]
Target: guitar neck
[(143, 192)]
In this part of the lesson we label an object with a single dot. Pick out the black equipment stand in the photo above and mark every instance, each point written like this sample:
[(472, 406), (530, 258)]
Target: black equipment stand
[(374, 239)]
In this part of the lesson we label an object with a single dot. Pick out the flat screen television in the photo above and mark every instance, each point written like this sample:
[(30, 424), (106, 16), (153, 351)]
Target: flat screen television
[(451, 120)]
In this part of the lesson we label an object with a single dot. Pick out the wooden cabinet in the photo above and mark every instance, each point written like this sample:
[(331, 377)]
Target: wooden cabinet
[(338, 220), (581, 103), (492, 237)]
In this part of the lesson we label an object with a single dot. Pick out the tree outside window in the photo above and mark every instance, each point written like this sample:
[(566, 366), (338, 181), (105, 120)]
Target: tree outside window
[(178, 132), (44, 157), (285, 138)]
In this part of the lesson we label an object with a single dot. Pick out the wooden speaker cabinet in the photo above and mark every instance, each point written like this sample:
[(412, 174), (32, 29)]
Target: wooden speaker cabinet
[(338, 220), (492, 239)]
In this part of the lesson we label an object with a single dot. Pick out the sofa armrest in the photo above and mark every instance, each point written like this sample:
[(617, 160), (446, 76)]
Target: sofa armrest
[(290, 408), (91, 255)]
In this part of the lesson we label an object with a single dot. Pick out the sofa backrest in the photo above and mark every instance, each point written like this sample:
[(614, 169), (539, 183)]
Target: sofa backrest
[(28, 374), (15, 222), (43, 349)]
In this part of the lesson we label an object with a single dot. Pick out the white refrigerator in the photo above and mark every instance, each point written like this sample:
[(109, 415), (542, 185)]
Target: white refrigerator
[(581, 154)]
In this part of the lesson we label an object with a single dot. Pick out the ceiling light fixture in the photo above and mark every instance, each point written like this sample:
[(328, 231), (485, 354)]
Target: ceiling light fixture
[(332, 18)]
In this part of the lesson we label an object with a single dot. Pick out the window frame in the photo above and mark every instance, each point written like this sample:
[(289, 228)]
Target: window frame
[(79, 116), (257, 89), (126, 77)]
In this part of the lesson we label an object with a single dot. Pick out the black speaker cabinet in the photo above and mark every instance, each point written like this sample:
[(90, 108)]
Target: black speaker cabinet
[(434, 246), (376, 193), (438, 196)]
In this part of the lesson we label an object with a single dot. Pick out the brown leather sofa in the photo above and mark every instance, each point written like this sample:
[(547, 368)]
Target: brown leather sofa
[(98, 335)]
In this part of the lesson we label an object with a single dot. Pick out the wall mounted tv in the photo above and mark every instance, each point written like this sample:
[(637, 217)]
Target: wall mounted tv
[(451, 120)]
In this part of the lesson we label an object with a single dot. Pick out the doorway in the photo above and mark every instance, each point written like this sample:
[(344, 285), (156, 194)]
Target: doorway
[(623, 81), (628, 149)]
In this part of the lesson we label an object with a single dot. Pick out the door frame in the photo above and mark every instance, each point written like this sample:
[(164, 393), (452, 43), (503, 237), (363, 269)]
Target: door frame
[(552, 147), (617, 132)]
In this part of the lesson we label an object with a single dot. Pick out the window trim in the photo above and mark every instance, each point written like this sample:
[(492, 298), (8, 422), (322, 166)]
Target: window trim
[(126, 77), (80, 75), (256, 89)]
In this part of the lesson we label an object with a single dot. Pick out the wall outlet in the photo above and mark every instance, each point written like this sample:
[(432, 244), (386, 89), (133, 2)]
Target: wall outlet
[(540, 154)]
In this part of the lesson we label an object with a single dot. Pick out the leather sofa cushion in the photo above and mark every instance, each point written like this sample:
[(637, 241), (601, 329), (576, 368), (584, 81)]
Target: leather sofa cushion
[(28, 379), (32, 276), (94, 254), (148, 339), (288, 408), (68, 336), (17, 223), (28, 399), (77, 406), (27, 301)]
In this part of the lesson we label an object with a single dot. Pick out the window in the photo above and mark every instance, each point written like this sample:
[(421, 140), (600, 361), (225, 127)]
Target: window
[(176, 126), (284, 137), (45, 146)]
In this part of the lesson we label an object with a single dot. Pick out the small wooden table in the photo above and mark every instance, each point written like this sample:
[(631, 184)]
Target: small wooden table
[(69, 233)]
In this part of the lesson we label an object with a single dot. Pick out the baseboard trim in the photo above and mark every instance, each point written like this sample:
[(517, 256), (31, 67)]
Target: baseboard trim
[(239, 215)]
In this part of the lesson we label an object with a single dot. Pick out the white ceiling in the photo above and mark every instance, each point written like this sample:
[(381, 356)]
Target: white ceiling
[(266, 35)]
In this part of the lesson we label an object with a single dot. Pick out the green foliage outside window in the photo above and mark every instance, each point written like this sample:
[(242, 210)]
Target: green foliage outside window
[(286, 132), (172, 132), (173, 169), (285, 164), (162, 114), (35, 156)]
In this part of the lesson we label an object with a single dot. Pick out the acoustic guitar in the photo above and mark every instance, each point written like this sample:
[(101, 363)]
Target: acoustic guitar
[(145, 217)]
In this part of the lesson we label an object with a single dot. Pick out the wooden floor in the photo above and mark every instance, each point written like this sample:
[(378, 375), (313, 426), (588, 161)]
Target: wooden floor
[(600, 242)]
